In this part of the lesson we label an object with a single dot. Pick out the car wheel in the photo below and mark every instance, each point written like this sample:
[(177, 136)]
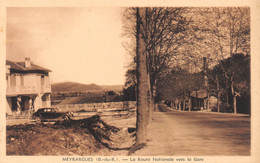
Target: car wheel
[(66, 118), (38, 119)]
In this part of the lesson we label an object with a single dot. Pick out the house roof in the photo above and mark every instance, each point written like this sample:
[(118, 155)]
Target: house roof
[(201, 93), (20, 66)]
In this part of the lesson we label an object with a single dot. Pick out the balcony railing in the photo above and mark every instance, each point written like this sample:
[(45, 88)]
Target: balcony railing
[(13, 90)]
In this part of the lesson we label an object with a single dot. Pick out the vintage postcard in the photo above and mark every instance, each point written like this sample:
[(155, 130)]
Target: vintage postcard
[(129, 81)]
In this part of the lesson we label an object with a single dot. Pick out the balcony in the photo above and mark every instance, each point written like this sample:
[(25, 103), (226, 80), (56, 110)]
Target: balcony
[(18, 90)]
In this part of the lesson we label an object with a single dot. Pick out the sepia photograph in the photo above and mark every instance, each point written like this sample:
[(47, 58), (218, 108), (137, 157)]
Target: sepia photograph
[(143, 83)]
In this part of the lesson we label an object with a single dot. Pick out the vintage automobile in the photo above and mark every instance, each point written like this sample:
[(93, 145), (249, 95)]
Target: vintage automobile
[(50, 115)]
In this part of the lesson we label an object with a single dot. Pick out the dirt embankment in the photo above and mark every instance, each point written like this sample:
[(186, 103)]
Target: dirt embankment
[(90, 136)]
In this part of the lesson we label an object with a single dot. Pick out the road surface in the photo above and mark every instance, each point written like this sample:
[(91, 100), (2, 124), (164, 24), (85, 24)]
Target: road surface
[(176, 133)]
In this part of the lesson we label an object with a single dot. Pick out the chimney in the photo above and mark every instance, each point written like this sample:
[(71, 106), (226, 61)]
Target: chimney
[(204, 64), (27, 62)]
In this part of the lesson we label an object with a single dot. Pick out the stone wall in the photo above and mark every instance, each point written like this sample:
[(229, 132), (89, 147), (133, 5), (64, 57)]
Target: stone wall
[(98, 107)]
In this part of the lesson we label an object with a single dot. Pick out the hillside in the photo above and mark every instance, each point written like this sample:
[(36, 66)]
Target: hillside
[(74, 87), (78, 87), (112, 87)]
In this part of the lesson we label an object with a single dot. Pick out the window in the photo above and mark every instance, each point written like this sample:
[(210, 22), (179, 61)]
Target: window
[(12, 79), (44, 98), (22, 79), (42, 79)]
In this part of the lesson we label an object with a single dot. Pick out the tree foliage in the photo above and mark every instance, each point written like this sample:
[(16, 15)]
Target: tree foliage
[(179, 82), (165, 32), (237, 69), (177, 39)]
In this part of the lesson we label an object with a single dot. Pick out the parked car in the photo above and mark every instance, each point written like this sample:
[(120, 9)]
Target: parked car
[(50, 115)]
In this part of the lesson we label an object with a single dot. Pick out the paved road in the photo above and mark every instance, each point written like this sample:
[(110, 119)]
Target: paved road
[(178, 133)]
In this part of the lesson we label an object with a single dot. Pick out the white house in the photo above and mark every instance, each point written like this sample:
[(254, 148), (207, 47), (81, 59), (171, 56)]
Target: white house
[(27, 87)]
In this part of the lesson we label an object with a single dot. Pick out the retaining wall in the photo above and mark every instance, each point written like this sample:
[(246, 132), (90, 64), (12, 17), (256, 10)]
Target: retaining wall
[(99, 107)]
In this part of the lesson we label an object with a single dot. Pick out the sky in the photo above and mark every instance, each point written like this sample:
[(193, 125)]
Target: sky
[(78, 44)]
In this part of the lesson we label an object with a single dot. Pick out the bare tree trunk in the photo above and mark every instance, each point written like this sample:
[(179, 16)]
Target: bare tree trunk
[(156, 106), (142, 82), (227, 103), (234, 97), (190, 104), (143, 13), (149, 94), (208, 99), (184, 105), (179, 101), (153, 94), (218, 94)]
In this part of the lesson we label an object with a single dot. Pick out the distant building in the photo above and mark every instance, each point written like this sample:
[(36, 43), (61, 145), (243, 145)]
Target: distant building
[(201, 98), (27, 87), (198, 99)]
